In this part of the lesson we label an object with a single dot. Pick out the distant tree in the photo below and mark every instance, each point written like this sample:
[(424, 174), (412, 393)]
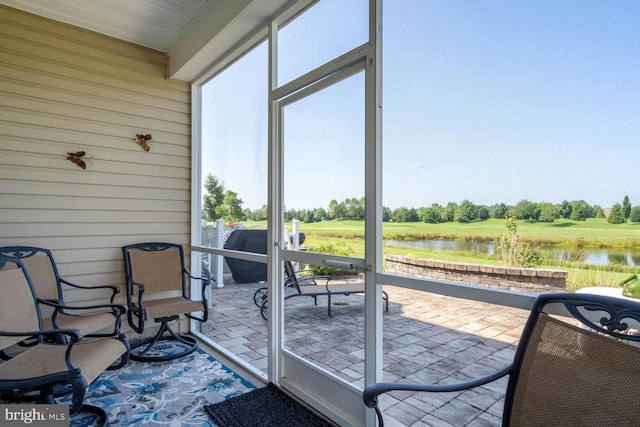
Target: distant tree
[(386, 214), (361, 207), (548, 212), (616, 216), (448, 212), (429, 215), (287, 215), (577, 213), (404, 214), (421, 213), (256, 215), (465, 212), (400, 215), (626, 208), (590, 210), (564, 209), (333, 209), (483, 213), (231, 207), (213, 197), (525, 209), (354, 208), (635, 214), (599, 212), (351, 208), (309, 217), (319, 214), (499, 211), (581, 210)]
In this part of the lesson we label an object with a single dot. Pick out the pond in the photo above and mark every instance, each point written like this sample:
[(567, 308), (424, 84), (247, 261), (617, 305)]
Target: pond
[(597, 256)]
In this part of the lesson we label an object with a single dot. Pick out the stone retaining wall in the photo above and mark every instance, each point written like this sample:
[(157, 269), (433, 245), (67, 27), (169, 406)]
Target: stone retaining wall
[(528, 280)]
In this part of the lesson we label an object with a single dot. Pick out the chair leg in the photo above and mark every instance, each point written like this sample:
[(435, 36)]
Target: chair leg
[(260, 296), (149, 343), (101, 415)]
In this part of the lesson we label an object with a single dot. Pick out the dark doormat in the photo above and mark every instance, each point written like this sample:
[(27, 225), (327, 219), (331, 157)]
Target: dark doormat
[(264, 407)]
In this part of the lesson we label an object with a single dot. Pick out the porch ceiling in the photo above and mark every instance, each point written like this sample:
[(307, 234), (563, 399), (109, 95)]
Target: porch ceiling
[(193, 33), (156, 24)]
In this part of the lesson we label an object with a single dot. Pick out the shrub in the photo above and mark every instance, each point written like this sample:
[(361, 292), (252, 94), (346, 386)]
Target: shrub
[(516, 253)]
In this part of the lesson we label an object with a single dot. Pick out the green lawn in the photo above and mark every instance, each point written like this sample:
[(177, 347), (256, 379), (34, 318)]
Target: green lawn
[(597, 232), (590, 233)]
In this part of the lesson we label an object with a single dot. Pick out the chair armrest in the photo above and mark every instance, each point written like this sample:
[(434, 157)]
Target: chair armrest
[(133, 283), (371, 392), (113, 288), (118, 307), (206, 281), (74, 334), (304, 281)]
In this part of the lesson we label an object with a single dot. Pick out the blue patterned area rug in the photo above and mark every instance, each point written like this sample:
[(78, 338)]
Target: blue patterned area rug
[(171, 393)]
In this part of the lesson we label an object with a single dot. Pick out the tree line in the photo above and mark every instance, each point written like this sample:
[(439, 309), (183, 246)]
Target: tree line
[(219, 202)]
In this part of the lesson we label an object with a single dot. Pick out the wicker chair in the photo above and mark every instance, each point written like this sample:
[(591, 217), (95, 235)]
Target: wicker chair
[(53, 366), (157, 288), (581, 368)]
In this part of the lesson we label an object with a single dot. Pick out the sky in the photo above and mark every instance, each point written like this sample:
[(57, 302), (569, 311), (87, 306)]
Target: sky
[(490, 101)]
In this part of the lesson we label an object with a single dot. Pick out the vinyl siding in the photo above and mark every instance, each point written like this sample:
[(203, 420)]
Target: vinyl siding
[(64, 89)]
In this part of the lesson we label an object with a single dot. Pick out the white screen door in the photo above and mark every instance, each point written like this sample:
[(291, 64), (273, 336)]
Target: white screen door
[(321, 139)]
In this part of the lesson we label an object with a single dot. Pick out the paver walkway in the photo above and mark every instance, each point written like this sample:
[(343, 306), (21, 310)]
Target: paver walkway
[(427, 339)]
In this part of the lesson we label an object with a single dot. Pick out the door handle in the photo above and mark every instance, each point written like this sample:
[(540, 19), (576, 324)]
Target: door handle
[(343, 265)]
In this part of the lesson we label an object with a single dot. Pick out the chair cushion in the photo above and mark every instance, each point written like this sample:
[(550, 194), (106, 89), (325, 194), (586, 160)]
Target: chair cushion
[(92, 358), (171, 307)]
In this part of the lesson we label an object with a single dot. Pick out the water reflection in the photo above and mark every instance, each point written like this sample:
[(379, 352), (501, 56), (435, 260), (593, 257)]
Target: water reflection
[(599, 256)]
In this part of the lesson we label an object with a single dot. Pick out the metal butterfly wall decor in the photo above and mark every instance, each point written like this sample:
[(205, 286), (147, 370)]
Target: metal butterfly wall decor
[(77, 158), (143, 140)]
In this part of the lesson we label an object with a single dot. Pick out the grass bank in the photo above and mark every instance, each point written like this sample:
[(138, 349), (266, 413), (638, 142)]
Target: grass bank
[(594, 232), (566, 233)]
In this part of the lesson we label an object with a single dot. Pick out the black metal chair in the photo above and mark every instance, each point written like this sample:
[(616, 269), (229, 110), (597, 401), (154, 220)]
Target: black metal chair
[(60, 362), (312, 286), (95, 320), (578, 368), (153, 271)]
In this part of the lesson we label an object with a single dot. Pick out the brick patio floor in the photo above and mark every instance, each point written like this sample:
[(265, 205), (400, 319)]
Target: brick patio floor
[(427, 339)]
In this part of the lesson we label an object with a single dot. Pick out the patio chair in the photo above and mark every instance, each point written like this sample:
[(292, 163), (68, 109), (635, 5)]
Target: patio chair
[(157, 288), (95, 320), (312, 286), (581, 368), (53, 366)]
